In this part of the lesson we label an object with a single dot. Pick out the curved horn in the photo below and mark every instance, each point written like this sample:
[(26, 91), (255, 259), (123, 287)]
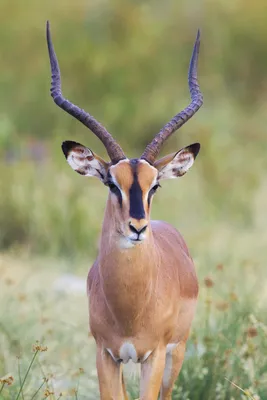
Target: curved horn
[(153, 148), (115, 152)]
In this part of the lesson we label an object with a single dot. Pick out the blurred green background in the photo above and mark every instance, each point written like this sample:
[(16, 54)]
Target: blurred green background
[(126, 63)]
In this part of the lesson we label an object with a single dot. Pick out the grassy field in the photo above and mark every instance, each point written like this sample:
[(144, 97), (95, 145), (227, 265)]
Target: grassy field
[(126, 62), (228, 341), (51, 219)]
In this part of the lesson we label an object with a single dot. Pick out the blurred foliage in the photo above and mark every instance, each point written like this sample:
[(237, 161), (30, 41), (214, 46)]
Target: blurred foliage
[(126, 62), (227, 343)]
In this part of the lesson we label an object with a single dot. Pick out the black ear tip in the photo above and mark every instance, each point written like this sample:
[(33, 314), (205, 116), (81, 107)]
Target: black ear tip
[(67, 146), (195, 149)]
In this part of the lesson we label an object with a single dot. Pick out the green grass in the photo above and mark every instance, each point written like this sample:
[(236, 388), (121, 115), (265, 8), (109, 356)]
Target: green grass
[(51, 219), (32, 310), (126, 62), (227, 343)]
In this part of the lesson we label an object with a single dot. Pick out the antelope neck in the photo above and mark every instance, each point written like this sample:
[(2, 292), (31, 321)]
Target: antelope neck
[(128, 276)]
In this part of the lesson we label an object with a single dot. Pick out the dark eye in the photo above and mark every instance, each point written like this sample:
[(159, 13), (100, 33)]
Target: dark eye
[(113, 188), (152, 191), (154, 188)]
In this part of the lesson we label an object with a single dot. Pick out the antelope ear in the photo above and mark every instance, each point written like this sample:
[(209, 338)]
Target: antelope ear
[(177, 164), (84, 161)]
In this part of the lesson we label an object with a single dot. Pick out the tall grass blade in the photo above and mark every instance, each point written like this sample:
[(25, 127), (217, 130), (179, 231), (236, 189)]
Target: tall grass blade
[(27, 373)]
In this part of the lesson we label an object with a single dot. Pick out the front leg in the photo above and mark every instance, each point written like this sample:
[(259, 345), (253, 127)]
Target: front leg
[(173, 365), (152, 373), (111, 384)]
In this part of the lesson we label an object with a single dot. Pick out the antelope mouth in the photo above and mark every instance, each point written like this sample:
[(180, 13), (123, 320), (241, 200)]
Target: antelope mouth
[(138, 239)]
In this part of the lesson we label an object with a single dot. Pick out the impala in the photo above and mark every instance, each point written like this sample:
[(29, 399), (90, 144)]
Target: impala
[(142, 287)]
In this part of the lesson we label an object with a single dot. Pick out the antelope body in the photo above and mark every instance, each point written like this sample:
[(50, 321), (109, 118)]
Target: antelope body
[(142, 287)]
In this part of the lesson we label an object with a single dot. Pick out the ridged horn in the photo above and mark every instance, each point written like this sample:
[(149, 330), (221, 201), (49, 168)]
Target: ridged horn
[(114, 151), (153, 148)]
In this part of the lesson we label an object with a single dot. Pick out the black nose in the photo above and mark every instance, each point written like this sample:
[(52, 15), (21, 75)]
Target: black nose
[(138, 231)]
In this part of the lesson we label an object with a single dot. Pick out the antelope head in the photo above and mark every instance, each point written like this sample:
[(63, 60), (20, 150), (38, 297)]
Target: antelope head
[(132, 183)]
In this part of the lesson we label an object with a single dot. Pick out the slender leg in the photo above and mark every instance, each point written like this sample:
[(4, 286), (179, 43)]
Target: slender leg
[(173, 366), (110, 378), (151, 374)]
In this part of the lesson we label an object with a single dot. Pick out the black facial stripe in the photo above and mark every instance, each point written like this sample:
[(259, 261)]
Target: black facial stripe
[(117, 191), (119, 196), (136, 196)]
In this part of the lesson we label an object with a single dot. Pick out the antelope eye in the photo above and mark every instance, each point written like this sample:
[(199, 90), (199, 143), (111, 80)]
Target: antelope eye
[(151, 192), (154, 188), (113, 188)]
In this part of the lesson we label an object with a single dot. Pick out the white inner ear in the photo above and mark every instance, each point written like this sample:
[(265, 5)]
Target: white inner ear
[(82, 160), (179, 165)]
